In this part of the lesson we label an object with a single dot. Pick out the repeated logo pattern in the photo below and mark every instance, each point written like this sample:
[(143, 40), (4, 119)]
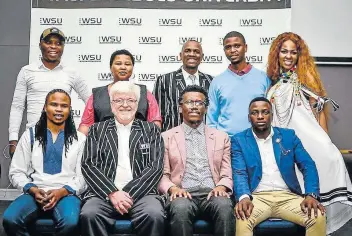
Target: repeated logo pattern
[(155, 37)]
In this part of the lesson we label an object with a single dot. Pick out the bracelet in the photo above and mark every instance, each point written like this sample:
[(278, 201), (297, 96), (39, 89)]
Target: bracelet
[(4, 153)]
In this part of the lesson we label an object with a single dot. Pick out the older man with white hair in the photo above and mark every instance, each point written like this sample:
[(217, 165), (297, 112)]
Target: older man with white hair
[(122, 165)]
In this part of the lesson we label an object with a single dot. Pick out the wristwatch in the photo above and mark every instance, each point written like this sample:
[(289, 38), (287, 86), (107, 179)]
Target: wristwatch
[(313, 195)]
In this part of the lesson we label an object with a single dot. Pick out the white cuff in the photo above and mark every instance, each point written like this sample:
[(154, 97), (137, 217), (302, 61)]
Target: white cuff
[(243, 197), (13, 136)]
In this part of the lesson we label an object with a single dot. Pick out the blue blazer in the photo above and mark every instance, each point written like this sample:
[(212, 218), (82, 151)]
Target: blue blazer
[(247, 164)]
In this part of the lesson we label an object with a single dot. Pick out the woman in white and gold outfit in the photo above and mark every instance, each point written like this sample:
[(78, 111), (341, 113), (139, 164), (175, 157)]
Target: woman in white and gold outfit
[(299, 102)]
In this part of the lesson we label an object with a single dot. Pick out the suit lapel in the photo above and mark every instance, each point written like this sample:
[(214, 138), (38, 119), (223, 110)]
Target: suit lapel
[(253, 146), (277, 141), (180, 140), (135, 136), (112, 139), (202, 80), (210, 145), (180, 81)]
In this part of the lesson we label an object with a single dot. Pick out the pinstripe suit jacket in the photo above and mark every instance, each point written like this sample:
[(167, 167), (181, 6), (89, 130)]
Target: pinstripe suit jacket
[(167, 90), (100, 159)]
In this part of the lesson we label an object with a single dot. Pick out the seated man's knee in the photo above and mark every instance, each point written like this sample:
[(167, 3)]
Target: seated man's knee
[(68, 223), (223, 207), (154, 212), (87, 214), (244, 226), (10, 219), (319, 221), (19, 210), (223, 203), (180, 206)]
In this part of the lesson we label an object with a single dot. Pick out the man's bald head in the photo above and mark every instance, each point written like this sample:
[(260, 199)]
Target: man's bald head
[(191, 55)]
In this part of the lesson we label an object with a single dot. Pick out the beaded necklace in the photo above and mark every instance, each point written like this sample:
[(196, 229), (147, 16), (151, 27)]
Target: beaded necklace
[(291, 77)]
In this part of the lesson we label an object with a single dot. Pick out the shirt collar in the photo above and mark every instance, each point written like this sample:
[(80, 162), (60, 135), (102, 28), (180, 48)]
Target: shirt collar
[(188, 130), (61, 132), (186, 74), (121, 126), (42, 66), (241, 72), (270, 136)]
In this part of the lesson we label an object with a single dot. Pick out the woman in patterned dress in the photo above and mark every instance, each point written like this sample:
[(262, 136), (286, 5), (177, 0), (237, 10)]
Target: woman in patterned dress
[(300, 103)]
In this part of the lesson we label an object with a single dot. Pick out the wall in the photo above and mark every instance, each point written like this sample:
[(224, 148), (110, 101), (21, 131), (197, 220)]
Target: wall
[(338, 83), (14, 50), (324, 24)]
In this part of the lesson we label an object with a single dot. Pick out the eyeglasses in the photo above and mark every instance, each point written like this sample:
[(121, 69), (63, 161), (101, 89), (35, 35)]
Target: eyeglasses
[(121, 102), (196, 103)]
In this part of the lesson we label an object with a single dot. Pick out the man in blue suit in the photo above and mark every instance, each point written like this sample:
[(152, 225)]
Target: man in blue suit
[(265, 181)]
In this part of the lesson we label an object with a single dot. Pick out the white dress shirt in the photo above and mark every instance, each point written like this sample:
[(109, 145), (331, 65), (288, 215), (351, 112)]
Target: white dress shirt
[(34, 82), (271, 177), (123, 169), (188, 79), (27, 166)]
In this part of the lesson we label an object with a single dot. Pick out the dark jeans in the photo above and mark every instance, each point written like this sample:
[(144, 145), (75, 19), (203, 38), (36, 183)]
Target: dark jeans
[(217, 210), (25, 210), (98, 217)]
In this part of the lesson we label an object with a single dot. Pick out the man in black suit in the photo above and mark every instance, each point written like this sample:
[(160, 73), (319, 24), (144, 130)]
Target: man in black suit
[(122, 165), (168, 87)]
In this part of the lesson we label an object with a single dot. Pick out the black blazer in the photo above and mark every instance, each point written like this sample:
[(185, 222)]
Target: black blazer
[(167, 90), (100, 159)]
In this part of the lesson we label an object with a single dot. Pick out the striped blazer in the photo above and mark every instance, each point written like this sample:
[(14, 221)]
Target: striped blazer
[(100, 159), (167, 90)]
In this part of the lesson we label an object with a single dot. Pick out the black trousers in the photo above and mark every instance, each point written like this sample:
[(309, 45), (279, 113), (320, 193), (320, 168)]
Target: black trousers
[(219, 211), (147, 215)]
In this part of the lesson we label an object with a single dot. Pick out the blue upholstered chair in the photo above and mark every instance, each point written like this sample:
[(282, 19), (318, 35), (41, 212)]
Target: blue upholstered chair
[(45, 227)]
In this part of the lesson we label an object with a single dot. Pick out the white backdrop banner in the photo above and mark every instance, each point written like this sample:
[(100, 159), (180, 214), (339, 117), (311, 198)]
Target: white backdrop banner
[(154, 32)]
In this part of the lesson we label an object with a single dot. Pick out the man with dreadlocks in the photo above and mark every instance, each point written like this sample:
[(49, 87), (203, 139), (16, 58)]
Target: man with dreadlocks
[(46, 167)]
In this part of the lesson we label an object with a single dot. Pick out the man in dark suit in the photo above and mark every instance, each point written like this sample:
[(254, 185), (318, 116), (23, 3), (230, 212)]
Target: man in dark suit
[(168, 87), (122, 165), (265, 181)]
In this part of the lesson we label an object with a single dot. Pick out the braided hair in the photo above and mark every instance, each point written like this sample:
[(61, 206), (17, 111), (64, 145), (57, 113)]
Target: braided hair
[(70, 132)]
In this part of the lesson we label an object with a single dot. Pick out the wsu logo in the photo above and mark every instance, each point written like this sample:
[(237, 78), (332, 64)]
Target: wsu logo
[(170, 22), (183, 40), (266, 40), (90, 21), (212, 59), (149, 40), (251, 22), (254, 59), (50, 21), (73, 40), (110, 39), (169, 59), (130, 21), (210, 22), (89, 58), (148, 77)]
